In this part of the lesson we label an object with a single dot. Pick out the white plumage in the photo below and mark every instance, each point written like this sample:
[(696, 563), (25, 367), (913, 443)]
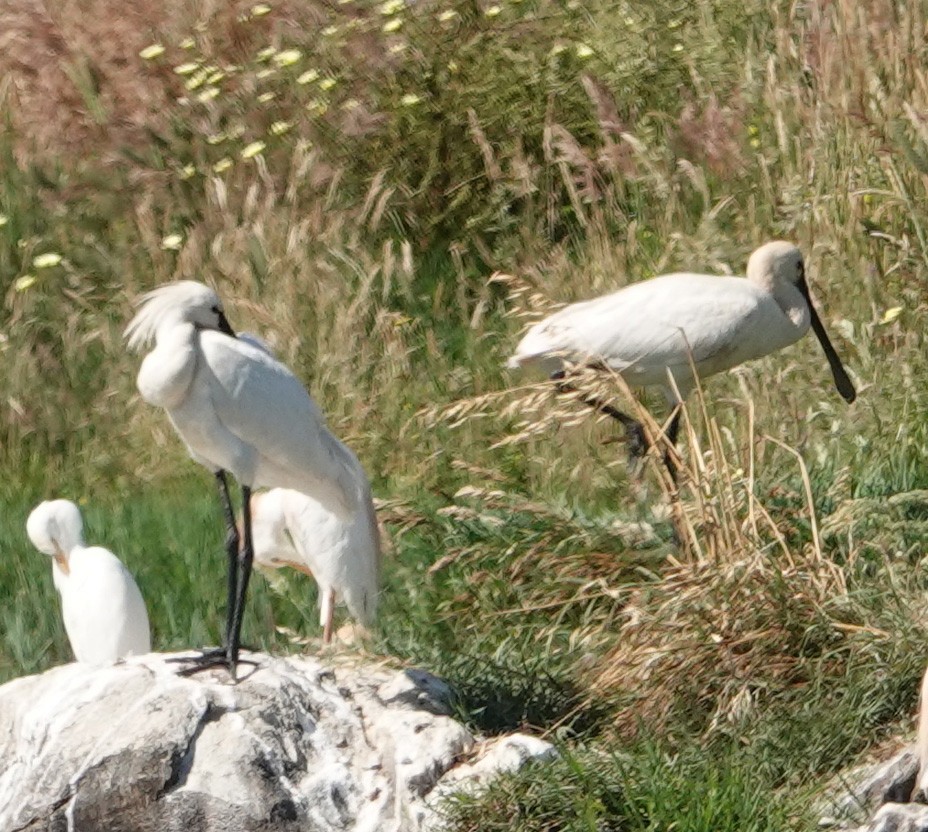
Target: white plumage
[(655, 326), (237, 409), (104, 614), (343, 556), (662, 328), (235, 406)]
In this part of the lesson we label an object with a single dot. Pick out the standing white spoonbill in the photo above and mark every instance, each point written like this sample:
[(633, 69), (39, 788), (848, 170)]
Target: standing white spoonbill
[(658, 326), (343, 556), (104, 614), (237, 409)]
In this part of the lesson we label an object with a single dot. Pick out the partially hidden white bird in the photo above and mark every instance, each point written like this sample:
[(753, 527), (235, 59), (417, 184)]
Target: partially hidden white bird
[(240, 410), (104, 614), (669, 324), (343, 556)]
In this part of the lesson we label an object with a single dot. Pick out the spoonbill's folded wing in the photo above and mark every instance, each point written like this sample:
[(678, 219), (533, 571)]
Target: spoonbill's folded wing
[(647, 328), (262, 403)]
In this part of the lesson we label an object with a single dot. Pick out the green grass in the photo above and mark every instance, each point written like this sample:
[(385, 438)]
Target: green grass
[(642, 787), (570, 148)]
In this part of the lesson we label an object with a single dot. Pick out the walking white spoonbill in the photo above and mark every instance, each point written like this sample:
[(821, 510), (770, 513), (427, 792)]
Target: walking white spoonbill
[(657, 326), (293, 529), (104, 614), (237, 409)]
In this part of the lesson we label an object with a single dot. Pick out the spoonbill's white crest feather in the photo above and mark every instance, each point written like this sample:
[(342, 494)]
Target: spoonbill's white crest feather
[(655, 326), (103, 611), (185, 301), (235, 406)]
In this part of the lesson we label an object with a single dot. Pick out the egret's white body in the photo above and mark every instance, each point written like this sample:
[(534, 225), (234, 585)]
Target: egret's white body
[(343, 556), (104, 614), (663, 324), (237, 409)]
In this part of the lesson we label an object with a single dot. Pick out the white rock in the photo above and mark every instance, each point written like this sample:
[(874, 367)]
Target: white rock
[(497, 756), (899, 817), (854, 795), (502, 754), (294, 745)]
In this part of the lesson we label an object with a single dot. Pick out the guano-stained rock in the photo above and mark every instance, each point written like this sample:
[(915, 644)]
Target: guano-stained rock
[(899, 817), (295, 745)]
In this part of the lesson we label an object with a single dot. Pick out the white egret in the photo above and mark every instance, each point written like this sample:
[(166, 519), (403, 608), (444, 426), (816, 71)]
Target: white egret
[(343, 556), (661, 325), (237, 409), (104, 614)]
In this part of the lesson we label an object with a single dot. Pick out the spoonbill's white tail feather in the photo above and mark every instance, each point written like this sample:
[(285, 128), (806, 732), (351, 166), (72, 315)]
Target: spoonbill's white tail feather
[(544, 346), (362, 592)]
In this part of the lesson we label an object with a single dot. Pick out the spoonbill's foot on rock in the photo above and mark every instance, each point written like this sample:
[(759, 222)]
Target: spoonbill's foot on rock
[(208, 658)]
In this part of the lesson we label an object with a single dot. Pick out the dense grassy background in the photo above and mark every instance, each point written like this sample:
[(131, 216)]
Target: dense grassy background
[(350, 177)]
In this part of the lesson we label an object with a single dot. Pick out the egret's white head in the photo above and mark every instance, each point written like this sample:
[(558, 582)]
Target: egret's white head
[(776, 264), (183, 302), (55, 528)]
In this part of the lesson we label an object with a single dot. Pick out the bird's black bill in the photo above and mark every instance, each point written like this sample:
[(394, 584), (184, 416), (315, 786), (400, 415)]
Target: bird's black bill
[(842, 380), (224, 325)]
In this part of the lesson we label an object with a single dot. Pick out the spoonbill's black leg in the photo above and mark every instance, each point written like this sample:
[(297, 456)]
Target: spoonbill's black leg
[(634, 431), (247, 556), (673, 430), (223, 656), (233, 543)]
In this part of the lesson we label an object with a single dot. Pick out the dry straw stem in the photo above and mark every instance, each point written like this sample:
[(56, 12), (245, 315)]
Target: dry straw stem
[(717, 630), (706, 632), (581, 582)]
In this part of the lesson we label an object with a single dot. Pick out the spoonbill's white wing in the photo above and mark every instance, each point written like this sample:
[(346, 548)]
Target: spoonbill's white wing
[(104, 614), (266, 408), (647, 328), (362, 579)]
